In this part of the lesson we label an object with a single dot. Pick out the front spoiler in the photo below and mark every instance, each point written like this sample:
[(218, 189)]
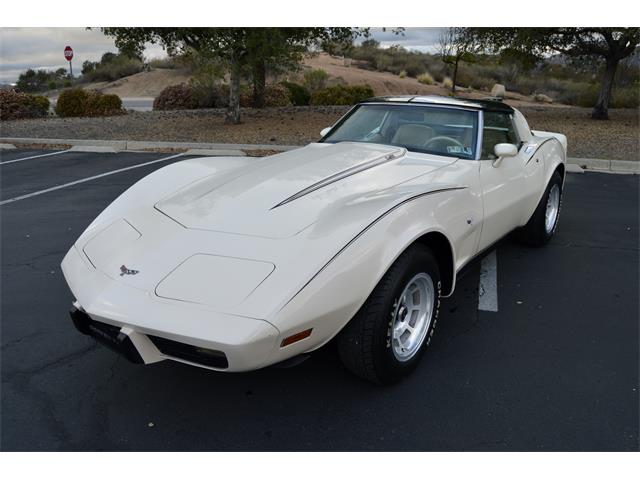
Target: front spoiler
[(106, 334)]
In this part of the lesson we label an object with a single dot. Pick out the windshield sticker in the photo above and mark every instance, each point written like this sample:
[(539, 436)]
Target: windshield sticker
[(459, 149)]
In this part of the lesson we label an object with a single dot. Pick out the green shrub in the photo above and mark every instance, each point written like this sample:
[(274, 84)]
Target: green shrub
[(102, 105), (341, 95), (274, 96), (298, 94), (176, 97), (15, 105), (315, 79), (426, 78), (213, 96), (402, 74), (81, 103), (72, 103), (628, 97)]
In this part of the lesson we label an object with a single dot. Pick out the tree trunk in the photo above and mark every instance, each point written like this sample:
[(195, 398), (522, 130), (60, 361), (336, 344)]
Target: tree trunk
[(455, 75), (259, 83), (233, 110), (601, 109)]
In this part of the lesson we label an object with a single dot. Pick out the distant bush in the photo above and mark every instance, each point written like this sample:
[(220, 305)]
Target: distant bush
[(426, 78), (81, 103), (341, 95), (274, 96), (402, 74), (41, 80), (298, 94), (111, 67), (15, 105), (72, 103), (315, 79), (166, 63), (176, 97), (447, 82)]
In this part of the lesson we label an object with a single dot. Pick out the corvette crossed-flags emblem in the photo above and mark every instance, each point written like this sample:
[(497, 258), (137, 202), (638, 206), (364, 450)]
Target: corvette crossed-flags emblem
[(125, 271)]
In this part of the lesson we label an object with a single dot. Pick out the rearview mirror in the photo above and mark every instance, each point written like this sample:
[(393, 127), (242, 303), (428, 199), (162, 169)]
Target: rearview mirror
[(504, 150), (324, 131)]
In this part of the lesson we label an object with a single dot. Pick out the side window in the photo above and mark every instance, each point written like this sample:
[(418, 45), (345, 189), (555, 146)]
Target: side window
[(498, 128)]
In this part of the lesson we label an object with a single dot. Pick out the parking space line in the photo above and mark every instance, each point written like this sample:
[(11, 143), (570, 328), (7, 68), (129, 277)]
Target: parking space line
[(88, 179), (488, 284), (34, 156)]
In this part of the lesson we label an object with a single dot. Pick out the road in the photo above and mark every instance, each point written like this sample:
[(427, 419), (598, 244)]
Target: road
[(554, 368)]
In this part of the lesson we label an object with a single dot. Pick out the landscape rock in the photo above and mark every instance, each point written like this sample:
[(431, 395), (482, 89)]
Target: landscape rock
[(498, 91), (542, 98)]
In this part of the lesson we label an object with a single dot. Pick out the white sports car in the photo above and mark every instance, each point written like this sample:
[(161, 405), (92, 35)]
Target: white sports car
[(236, 263)]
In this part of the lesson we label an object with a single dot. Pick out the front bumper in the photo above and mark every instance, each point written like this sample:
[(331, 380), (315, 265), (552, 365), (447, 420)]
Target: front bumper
[(133, 321)]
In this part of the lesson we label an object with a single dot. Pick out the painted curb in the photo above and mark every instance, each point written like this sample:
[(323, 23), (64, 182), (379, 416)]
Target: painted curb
[(7, 146)]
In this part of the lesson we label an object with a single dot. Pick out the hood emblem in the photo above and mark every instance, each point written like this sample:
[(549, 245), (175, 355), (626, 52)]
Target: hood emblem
[(125, 271)]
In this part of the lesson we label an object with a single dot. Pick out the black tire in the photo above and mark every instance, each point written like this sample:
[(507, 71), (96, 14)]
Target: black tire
[(535, 232), (364, 344)]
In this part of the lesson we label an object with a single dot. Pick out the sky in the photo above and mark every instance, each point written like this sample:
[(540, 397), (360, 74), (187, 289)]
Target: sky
[(23, 48)]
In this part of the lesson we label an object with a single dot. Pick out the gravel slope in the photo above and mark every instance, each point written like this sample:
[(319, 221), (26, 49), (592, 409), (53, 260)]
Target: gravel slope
[(618, 138)]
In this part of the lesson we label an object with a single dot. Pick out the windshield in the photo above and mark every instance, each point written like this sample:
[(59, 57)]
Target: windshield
[(426, 129)]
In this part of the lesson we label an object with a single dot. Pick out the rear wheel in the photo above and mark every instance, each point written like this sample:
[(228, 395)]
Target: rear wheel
[(544, 221), (387, 337)]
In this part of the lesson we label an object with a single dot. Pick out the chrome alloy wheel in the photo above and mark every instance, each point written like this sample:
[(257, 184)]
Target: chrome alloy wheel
[(412, 317), (553, 207)]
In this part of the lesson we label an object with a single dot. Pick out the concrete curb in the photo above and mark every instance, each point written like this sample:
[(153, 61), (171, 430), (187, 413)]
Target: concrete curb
[(597, 164), (618, 166), (7, 146), (93, 149), (207, 152), (120, 145)]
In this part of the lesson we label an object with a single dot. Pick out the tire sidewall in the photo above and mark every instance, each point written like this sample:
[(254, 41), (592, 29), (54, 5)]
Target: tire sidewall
[(555, 180), (388, 367)]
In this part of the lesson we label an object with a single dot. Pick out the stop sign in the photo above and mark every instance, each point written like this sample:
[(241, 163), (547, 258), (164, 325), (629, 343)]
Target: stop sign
[(68, 53)]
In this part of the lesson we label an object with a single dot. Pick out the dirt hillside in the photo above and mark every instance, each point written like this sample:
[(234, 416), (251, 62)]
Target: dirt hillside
[(143, 84)]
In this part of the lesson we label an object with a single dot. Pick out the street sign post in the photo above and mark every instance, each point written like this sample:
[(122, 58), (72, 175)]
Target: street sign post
[(68, 54)]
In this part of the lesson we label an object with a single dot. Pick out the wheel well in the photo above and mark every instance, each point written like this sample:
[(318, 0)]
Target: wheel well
[(441, 248), (560, 169)]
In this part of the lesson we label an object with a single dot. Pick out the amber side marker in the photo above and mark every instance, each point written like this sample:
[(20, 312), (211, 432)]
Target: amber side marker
[(296, 337)]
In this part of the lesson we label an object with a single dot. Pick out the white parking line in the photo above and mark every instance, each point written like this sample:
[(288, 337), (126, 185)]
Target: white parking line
[(88, 179), (488, 286), (34, 156)]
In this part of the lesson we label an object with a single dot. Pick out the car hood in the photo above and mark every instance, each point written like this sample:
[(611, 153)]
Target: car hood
[(281, 195)]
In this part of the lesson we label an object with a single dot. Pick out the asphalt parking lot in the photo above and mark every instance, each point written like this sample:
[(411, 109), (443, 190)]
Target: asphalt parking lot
[(555, 368)]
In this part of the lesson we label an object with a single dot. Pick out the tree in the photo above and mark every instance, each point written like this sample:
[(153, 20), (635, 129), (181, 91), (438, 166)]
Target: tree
[(241, 49), (455, 47), (609, 44)]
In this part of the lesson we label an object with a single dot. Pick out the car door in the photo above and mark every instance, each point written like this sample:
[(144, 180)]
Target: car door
[(503, 183)]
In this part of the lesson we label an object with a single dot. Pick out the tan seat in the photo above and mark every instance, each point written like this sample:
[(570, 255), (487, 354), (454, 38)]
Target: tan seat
[(412, 135)]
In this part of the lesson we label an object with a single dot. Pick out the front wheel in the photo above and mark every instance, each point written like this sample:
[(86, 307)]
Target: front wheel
[(387, 337), (544, 221)]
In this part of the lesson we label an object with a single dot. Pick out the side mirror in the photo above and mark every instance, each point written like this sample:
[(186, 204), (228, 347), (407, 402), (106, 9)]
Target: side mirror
[(324, 131), (502, 151)]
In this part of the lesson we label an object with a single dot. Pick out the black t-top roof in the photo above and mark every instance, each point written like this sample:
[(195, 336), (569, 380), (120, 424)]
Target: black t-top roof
[(489, 105)]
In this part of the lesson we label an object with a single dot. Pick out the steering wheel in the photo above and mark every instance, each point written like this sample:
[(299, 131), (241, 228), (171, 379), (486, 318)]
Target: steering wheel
[(442, 142)]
